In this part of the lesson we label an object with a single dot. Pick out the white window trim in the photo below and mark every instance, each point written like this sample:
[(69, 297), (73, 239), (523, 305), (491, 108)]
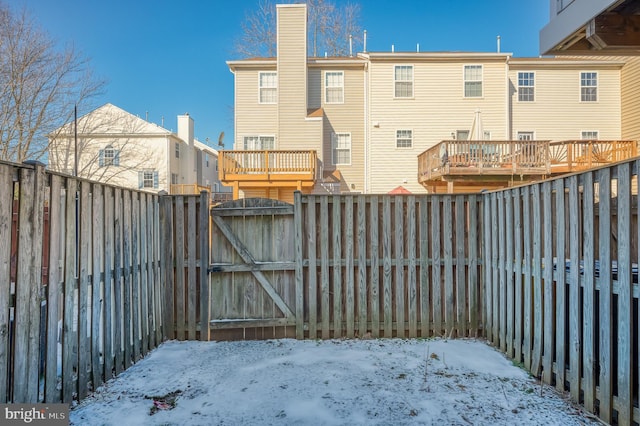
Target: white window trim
[(260, 88), (518, 87), (396, 140), (464, 81), (333, 148), (532, 133), (242, 141), (326, 100), (597, 132), (413, 81), (597, 86)]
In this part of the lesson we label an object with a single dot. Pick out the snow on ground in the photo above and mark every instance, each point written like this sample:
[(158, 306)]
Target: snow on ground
[(334, 382)]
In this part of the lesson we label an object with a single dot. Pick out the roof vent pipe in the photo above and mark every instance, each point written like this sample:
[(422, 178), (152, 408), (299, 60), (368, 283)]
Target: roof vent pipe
[(350, 46), (417, 47), (393, 48), (498, 42), (364, 47)]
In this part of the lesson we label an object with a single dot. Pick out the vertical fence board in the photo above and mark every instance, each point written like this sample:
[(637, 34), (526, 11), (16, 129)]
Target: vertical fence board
[(517, 284), (461, 293), (144, 262), (179, 253), (449, 293), (605, 320), (625, 299), (97, 290), (495, 282), (474, 240), (412, 305), (337, 267), (135, 276), (84, 342), (299, 279), (502, 284), (527, 288), (436, 265), (510, 309), (54, 288), (362, 266), (311, 233), (118, 313), (191, 301), (374, 256), (6, 216), (537, 283), (561, 286), (109, 319), (399, 293), (425, 294), (574, 289), (127, 285), (205, 242), (348, 279), (167, 275), (588, 318), (547, 360), (324, 266), (386, 266), (487, 312), (69, 328)]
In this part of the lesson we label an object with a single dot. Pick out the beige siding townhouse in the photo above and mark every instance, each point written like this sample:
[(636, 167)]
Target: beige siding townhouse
[(119, 148)]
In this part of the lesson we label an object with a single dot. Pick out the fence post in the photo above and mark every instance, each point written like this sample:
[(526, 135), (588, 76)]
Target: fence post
[(205, 237), (166, 263), (297, 221)]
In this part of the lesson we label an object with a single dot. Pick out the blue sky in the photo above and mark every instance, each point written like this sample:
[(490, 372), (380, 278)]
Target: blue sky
[(163, 58)]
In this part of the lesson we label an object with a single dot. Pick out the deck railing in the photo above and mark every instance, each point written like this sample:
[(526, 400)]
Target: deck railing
[(463, 157), (577, 155), (188, 189), (267, 165)]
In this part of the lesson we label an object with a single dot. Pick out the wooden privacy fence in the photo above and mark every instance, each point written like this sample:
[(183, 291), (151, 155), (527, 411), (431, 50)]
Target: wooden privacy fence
[(100, 307), (347, 266), (561, 284)]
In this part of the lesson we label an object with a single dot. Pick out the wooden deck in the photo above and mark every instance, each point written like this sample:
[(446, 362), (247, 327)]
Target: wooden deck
[(469, 166), (267, 169)]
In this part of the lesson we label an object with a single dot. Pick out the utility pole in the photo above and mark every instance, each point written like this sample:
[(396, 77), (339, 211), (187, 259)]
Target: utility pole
[(75, 140)]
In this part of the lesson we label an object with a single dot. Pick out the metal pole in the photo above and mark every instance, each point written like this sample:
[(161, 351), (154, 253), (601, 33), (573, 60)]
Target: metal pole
[(75, 139)]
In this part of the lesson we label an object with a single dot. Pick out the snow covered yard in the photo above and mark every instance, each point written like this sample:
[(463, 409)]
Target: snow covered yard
[(335, 382)]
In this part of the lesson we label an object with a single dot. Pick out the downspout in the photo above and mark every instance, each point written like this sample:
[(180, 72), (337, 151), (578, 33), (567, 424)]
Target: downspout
[(366, 127), (508, 130)]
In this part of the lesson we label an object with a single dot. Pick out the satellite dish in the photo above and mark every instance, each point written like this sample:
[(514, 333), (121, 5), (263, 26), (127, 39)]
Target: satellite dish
[(444, 155), (220, 139)]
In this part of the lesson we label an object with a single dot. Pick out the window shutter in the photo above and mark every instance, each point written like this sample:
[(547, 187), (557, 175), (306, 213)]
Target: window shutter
[(155, 179), (140, 179), (116, 158), (101, 158)]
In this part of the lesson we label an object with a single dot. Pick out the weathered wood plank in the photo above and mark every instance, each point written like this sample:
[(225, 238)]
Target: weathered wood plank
[(386, 267), (527, 288), (84, 292), (588, 310), (487, 268), (54, 288), (509, 306), (625, 299), (362, 266), (605, 323), (336, 237), (474, 240), (399, 293), (574, 288), (109, 318), (449, 292), (97, 290), (144, 267), (118, 314), (251, 323), (502, 283), (299, 278), (561, 305), (135, 277), (69, 326), (6, 217), (324, 267), (312, 233), (127, 285), (157, 273), (374, 285), (537, 282), (424, 287), (350, 299), (192, 282), (205, 243), (436, 265), (460, 285), (412, 291), (179, 255), (517, 284), (548, 338), (495, 271)]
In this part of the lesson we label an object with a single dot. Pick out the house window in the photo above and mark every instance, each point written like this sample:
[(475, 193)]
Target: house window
[(206, 159), (473, 81), (174, 178), (588, 86), (486, 135), (109, 156), (341, 148), (526, 87), (334, 87), (403, 78), (525, 136), (589, 135), (259, 143), (404, 138), (268, 87), (177, 149), (148, 179), (462, 135)]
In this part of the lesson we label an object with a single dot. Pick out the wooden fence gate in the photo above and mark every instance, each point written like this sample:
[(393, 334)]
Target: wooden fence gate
[(253, 279)]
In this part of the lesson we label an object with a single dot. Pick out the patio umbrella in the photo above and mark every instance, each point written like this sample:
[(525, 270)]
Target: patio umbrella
[(399, 190), (477, 132)]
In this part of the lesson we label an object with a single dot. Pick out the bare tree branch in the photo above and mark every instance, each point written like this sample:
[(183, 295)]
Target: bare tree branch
[(39, 86)]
